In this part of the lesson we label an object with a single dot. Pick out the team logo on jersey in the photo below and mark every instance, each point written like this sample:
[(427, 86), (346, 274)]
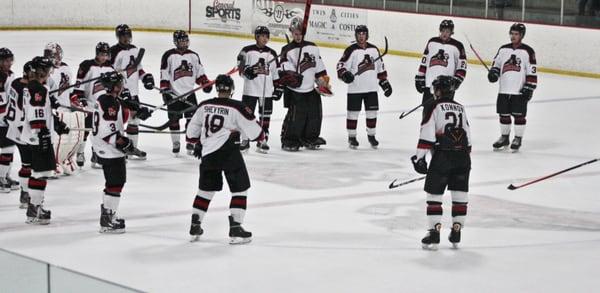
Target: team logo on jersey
[(307, 62), (184, 70), (64, 83), (512, 64), (365, 65), (112, 111), (130, 68), (439, 59), (261, 67), (37, 97)]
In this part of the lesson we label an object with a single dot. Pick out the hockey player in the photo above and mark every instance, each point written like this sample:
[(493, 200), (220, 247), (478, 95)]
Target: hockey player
[(66, 145), (215, 130), (515, 67), (111, 145), (15, 118), (258, 67), (362, 73), (180, 71), (445, 131), (300, 69), (7, 146), (88, 93), (123, 56), (443, 55), (36, 133)]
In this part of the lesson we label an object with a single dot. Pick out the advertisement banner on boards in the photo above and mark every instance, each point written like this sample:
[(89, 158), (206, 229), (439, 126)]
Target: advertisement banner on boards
[(276, 15), (222, 15), (335, 24)]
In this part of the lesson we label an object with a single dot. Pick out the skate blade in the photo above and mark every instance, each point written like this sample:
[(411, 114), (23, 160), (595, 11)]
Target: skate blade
[(514, 150), (23, 205), (353, 147), (96, 166), (4, 190), (105, 230), (136, 158), (430, 247), (261, 151), (374, 147), (239, 240), (15, 187), (454, 245), (501, 149), (195, 238), (36, 221)]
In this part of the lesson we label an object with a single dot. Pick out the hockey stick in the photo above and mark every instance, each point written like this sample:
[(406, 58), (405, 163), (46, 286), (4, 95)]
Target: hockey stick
[(476, 54), (513, 187), (304, 29), (135, 63), (80, 129), (77, 109), (395, 185), (160, 127), (404, 114), (161, 132), (385, 51)]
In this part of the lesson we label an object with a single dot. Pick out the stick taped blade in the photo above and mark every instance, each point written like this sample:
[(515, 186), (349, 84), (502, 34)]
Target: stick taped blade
[(511, 187)]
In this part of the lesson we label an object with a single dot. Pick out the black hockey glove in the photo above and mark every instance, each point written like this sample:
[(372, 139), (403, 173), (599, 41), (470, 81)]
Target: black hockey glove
[(456, 82), (386, 87), (143, 113), (54, 102), (347, 77), (420, 165), (494, 74), (60, 127), (277, 93), (207, 89), (45, 140), (527, 91), (198, 150), (291, 78), (124, 144), (128, 101), (420, 83), (167, 98), (148, 81), (250, 72)]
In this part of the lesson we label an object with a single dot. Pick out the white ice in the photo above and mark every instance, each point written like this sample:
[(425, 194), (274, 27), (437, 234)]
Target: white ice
[(325, 221)]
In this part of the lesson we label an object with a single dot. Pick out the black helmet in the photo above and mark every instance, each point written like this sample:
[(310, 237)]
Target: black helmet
[(518, 27), (110, 79), (40, 63), (445, 84), (262, 30), (102, 47), (180, 36), (27, 67), (5, 53), (361, 29), (447, 23), (122, 30), (224, 83)]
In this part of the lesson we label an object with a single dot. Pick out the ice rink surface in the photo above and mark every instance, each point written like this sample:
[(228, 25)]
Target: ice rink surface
[(325, 221)]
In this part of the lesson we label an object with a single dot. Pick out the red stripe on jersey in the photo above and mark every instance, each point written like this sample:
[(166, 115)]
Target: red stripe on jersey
[(382, 75), (165, 84), (125, 114), (37, 124), (192, 139), (461, 73), (3, 108), (422, 69), (531, 79), (113, 189), (424, 146)]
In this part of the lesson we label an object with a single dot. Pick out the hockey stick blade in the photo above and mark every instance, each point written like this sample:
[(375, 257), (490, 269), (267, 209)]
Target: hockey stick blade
[(513, 187), (393, 185), (385, 51)]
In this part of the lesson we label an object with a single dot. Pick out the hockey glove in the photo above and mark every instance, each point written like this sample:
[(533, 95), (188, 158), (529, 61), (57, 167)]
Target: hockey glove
[(456, 82), (198, 150), (527, 91), (250, 72), (386, 87), (143, 113), (45, 140), (494, 74), (207, 89), (291, 78), (420, 83), (167, 98), (60, 127), (54, 102), (148, 81), (277, 93), (420, 165), (347, 77), (124, 144), (79, 95)]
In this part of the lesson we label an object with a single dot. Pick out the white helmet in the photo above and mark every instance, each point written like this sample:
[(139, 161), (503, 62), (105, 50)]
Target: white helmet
[(296, 24), (54, 52)]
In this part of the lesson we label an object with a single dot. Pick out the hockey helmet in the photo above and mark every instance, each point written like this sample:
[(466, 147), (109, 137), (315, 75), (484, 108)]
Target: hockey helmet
[(361, 29), (180, 36), (40, 64), (518, 27), (445, 84), (27, 67), (54, 52), (262, 30), (122, 30), (5, 53), (102, 47), (224, 83), (296, 24), (110, 79), (447, 24)]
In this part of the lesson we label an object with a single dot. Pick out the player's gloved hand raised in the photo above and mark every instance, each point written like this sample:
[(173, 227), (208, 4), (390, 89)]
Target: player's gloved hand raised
[(420, 165), (60, 127), (420, 83), (494, 74), (277, 93), (347, 77), (124, 144), (291, 78), (148, 81), (198, 150), (45, 140), (250, 72), (143, 113), (386, 87), (527, 91)]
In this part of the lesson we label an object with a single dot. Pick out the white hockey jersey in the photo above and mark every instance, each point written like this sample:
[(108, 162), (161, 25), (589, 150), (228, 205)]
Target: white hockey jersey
[(14, 116), (309, 64), (121, 58), (37, 112), (517, 67), (181, 71), (267, 62), (61, 78), (443, 58), (216, 119), (361, 62), (107, 126), (6, 79), (89, 69), (445, 127)]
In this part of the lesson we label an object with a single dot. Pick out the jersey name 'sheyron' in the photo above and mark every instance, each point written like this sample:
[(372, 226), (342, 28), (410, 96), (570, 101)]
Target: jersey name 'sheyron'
[(216, 110)]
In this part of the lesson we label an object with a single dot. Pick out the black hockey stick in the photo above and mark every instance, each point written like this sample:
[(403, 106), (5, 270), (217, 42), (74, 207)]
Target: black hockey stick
[(161, 132), (513, 187), (135, 63), (404, 114), (160, 127), (385, 51), (476, 54), (395, 185)]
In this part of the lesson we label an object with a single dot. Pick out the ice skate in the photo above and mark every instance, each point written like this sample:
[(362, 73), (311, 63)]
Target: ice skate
[(314, 144), (109, 223), (24, 199), (501, 143), (4, 186), (290, 146), (195, 229), (262, 147), (37, 215), (176, 148), (516, 144), (237, 234), (432, 239), (454, 236), (373, 141), (80, 160), (137, 154), (189, 148), (244, 146), (352, 142), (14, 184)]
